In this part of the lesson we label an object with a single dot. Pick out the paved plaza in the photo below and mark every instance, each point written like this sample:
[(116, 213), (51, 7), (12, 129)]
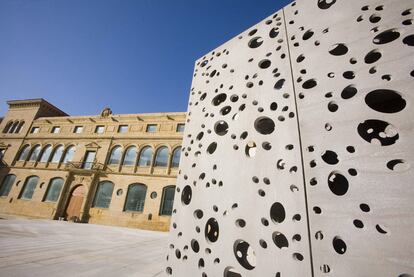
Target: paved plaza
[(58, 248)]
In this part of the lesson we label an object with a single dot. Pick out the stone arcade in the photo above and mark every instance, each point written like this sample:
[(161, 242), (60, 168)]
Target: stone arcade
[(298, 150)]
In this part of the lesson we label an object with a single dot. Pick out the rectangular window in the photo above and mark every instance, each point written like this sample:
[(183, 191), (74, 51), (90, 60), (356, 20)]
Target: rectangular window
[(56, 130), (99, 129), (34, 130), (167, 201), (151, 128), (180, 128), (122, 129), (89, 159), (78, 130)]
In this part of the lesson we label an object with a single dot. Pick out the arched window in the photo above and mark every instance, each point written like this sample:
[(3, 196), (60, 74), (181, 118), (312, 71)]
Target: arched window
[(103, 195), (69, 153), (161, 158), (7, 127), (44, 158), (175, 161), (29, 187), (35, 153), (116, 155), (167, 200), (130, 156), (57, 154), (24, 153), (7, 184), (19, 127), (145, 157), (13, 128), (53, 191), (135, 199)]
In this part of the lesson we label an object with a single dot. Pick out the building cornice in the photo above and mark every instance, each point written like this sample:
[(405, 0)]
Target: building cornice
[(127, 118), (93, 138)]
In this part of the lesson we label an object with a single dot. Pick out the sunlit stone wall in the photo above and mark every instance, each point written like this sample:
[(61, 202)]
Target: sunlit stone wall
[(299, 145)]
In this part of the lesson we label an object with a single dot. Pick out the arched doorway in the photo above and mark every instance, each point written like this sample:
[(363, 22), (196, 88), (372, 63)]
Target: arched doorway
[(75, 203)]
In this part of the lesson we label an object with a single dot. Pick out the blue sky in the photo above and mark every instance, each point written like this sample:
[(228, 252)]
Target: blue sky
[(131, 55)]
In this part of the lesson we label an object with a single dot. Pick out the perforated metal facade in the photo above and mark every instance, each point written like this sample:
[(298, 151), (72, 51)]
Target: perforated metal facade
[(298, 148)]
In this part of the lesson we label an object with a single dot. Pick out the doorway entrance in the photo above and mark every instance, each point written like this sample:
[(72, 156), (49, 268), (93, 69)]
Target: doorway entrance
[(75, 203)]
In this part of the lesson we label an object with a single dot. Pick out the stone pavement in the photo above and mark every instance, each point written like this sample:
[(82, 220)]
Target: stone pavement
[(57, 248)]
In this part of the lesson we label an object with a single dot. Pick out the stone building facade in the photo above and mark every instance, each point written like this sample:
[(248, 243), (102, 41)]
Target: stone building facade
[(104, 169)]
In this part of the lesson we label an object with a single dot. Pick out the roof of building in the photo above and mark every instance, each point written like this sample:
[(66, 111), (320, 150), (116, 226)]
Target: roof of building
[(35, 102)]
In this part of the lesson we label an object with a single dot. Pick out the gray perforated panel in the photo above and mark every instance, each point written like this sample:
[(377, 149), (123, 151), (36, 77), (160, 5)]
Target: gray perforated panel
[(321, 84), (357, 122)]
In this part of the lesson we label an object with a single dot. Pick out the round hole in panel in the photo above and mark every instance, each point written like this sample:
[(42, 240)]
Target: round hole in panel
[(358, 223), (211, 231), (385, 101), (325, 4), (373, 56), (273, 33), (349, 92), (409, 40), (338, 184), (398, 165), (240, 223), (221, 128), (231, 272), (255, 42), (195, 245), (263, 64), (378, 132), (279, 84), (386, 36), (381, 229), (218, 99), (339, 245), (212, 148), (186, 195), (307, 35), (250, 149), (330, 157), (277, 213), (280, 240), (244, 254), (198, 214), (338, 49), (264, 125)]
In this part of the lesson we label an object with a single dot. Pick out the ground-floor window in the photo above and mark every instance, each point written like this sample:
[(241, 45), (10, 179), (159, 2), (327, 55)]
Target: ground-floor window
[(135, 199), (103, 195), (29, 187), (167, 200), (7, 184), (53, 191)]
